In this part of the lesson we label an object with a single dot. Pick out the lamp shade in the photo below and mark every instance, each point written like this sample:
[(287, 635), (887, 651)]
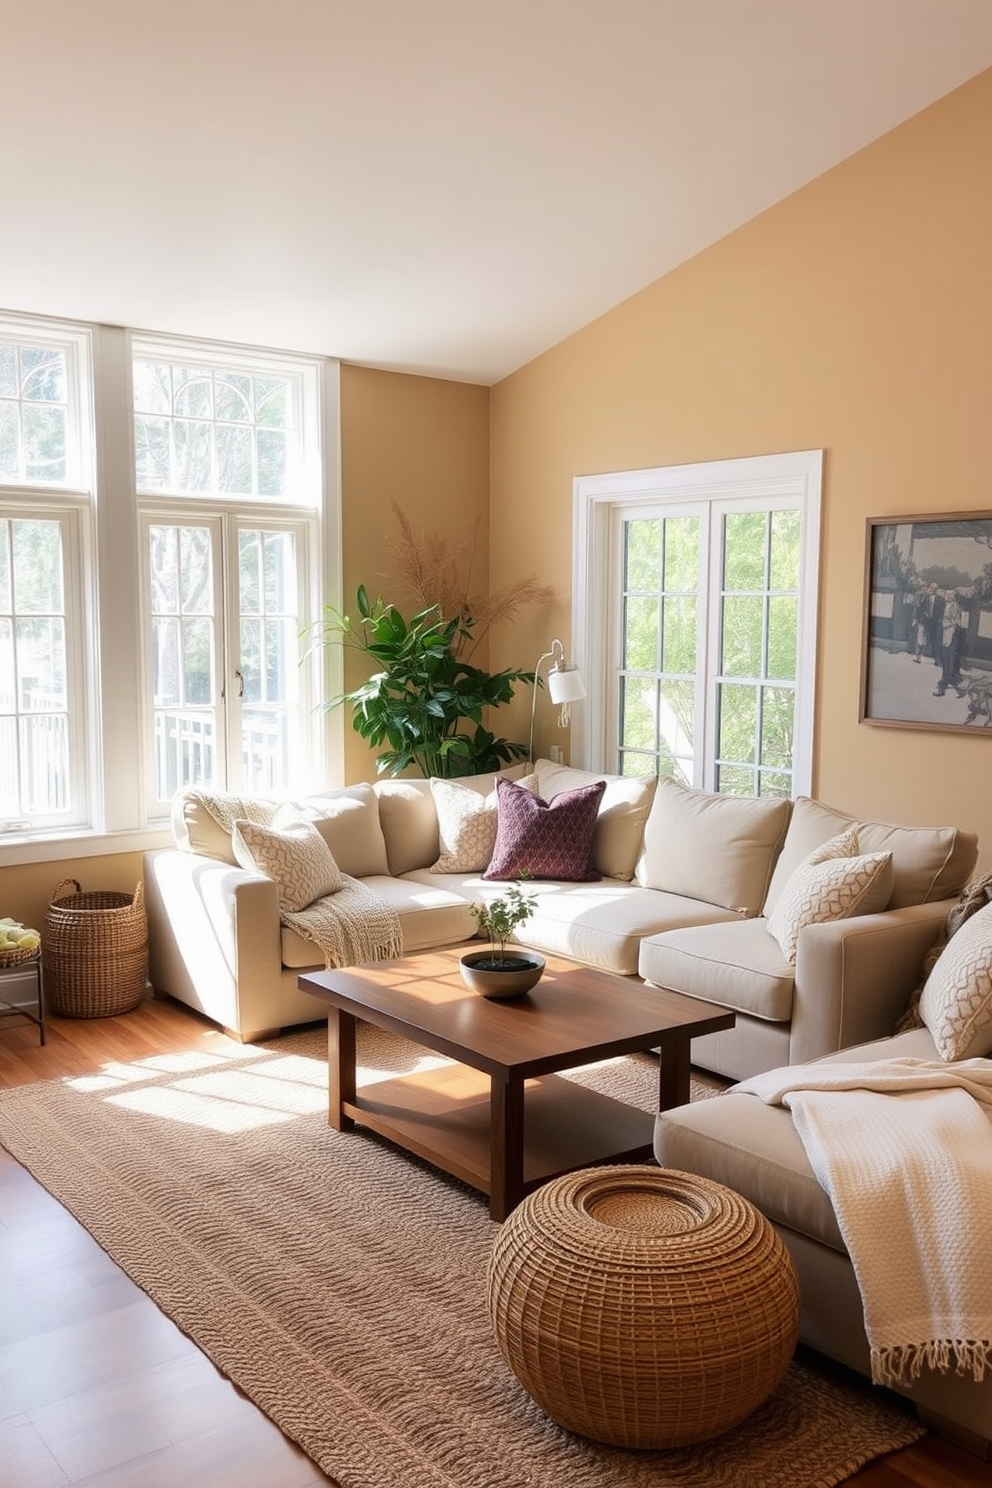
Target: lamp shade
[(565, 684)]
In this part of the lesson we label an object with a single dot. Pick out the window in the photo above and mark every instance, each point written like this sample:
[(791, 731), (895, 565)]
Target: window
[(44, 493), (225, 455), (169, 524), (695, 620)]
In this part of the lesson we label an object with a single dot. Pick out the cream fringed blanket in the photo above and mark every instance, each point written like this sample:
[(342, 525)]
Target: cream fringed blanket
[(903, 1147), (352, 927)]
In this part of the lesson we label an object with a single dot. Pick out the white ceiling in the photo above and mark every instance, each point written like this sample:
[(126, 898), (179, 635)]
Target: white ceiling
[(441, 186)]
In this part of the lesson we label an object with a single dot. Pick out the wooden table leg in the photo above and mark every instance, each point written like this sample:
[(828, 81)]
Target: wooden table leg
[(340, 1068), (506, 1147), (674, 1073)]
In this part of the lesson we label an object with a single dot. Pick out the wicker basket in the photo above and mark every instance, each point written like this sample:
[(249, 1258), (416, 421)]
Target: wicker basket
[(15, 957), (94, 951), (641, 1306)]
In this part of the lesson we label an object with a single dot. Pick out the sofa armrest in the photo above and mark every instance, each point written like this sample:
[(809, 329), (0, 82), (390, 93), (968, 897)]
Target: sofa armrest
[(214, 938), (854, 978)]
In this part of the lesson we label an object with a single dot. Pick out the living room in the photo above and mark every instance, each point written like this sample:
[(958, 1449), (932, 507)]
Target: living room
[(849, 316)]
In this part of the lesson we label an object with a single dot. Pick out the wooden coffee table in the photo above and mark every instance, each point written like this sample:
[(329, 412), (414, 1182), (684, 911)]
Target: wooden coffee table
[(471, 1118)]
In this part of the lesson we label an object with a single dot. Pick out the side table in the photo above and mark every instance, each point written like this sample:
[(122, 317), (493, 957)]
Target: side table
[(24, 977)]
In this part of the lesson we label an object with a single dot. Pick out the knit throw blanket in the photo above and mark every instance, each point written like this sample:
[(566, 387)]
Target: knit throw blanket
[(351, 927), (903, 1148)]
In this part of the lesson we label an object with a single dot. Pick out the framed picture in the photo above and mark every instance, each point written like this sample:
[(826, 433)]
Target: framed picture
[(927, 649)]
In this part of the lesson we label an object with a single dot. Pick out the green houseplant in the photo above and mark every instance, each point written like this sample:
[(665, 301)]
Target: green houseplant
[(423, 691), (499, 971)]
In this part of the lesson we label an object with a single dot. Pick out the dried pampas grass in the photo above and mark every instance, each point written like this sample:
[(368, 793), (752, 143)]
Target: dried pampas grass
[(438, 571)]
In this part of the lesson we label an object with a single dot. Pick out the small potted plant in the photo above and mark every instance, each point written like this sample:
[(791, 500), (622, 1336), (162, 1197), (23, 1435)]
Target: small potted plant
[(498, 971)]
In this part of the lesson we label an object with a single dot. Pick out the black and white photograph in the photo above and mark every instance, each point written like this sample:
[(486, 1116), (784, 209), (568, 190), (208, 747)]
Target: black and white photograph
[(927, 659)]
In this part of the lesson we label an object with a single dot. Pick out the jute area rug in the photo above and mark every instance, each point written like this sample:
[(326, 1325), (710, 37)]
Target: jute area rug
[(341, 1284)]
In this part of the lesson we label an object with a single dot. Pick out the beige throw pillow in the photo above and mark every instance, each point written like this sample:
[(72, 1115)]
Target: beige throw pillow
[(956, 1004), (348, 821), (833, 883), (295, 856), (707, 846), (466, 824)]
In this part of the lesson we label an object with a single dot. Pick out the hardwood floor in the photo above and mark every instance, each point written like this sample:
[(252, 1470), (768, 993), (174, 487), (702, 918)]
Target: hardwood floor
[(98, 1388)]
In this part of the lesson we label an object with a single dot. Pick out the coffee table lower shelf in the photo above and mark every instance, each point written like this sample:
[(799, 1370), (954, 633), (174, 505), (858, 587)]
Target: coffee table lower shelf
[(445, 1117)]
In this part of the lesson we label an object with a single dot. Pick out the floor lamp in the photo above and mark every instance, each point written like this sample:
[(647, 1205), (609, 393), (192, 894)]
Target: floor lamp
[(565, 686)]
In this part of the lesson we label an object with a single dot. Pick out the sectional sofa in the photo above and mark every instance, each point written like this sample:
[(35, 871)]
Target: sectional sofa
[(754, 1148), (681, 889)]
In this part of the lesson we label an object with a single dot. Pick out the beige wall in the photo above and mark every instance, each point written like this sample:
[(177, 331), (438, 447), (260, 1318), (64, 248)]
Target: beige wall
[(855, 316), (424, 443)]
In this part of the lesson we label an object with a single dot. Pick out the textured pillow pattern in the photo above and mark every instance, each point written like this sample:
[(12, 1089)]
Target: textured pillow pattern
[(956, 1004), (466, 824), (832, 884), (296, 858), (545, 839)]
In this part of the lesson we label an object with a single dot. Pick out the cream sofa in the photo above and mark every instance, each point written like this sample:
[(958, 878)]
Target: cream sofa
[(753, 1148), (686, 878)]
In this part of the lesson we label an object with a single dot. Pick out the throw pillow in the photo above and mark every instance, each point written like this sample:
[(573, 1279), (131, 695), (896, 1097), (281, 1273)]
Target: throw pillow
[(295, 856), (466, 824), (348, 821), (545, 839), (466, 821), (704, 845), (833, 883), (956, 1004)]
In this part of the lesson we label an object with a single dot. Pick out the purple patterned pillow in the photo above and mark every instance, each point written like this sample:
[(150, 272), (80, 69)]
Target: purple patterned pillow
[(545, 839)]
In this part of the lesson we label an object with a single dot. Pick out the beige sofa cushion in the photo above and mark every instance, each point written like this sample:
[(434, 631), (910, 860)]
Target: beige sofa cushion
[(348, 821), (713, 847), (738, 965), (601, 923), (429, 914), (623, 810), (409, 823), (928, 863), (196, 830)]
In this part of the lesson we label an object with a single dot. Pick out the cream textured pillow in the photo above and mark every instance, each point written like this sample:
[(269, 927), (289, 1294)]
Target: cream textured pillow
[(466, 824), (833, 883), (295, 856), (956, 1004)]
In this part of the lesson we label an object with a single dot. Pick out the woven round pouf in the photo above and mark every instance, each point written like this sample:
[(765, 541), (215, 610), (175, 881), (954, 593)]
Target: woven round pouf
[(641, 1306)]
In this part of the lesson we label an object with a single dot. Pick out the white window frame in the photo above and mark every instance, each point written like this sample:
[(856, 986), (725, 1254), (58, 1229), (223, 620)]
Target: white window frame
[(77, 343), (70, 517), (70, 502), (752, 482), (225, 520), (300, 513), (302, 371)]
